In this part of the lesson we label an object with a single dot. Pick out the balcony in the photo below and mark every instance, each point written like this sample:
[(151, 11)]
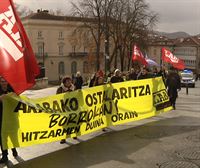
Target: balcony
[(40, 55), (78, 54)]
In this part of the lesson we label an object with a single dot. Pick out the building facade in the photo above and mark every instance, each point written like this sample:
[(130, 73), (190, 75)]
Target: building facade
[(56, 47), (187, 49)]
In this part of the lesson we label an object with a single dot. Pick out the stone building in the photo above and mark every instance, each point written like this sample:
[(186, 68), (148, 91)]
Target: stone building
[(57, 48)]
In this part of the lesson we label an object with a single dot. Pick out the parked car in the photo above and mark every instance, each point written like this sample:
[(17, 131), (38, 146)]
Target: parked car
[(187, 78)]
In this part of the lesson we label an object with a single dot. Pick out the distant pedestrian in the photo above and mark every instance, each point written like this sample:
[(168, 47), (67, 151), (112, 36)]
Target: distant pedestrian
[(173, 83), (78, 81)]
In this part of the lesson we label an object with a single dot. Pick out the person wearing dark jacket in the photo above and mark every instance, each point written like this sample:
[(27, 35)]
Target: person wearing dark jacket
[(132, 75), (4, 89), (144, 74), (173, 83), (78, 81), (116, 77)]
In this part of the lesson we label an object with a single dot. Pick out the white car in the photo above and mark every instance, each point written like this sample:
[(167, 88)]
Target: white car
[(187, 78)]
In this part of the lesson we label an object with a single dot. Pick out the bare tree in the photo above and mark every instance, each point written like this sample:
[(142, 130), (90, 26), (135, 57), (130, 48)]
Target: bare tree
[(133, 20), (119, 22)]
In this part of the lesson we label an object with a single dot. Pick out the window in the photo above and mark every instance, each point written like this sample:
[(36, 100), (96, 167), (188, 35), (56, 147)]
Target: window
[(40, 49), (85, 67), (73, 67), (60, 49), (73, 49), (61, 68), (40, 34), (60, 35)]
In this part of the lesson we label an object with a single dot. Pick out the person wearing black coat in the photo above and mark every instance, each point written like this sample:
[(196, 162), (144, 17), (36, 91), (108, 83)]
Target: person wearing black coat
[(78, 81), (173, 83), (116, 77)]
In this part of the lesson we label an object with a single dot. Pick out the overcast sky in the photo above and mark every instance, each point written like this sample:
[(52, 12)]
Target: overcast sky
[(174, 15)]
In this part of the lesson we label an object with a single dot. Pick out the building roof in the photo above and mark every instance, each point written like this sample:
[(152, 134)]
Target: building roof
[(45, 15)]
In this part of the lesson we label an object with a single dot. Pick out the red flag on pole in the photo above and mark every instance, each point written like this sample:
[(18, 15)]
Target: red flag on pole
[(17, 62), (167, 56), (138, 56)]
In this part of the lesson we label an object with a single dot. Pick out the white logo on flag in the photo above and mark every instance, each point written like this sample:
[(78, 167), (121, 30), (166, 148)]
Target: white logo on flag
[(8, 20), (171, 57)]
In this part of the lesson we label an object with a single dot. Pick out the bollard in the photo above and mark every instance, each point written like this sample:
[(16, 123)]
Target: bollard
[(187, 88)]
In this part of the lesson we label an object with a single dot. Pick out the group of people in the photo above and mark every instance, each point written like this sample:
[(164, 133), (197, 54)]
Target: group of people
[(170, 78)]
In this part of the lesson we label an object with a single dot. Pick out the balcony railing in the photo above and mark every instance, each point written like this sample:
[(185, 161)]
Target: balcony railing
[(78, 54), (40, 55)]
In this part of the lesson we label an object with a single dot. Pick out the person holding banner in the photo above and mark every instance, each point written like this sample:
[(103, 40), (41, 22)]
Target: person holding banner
[(4, 89), (66, 86)]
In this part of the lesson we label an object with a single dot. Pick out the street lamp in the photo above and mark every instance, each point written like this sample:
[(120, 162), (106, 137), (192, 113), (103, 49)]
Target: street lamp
[(43, 59)]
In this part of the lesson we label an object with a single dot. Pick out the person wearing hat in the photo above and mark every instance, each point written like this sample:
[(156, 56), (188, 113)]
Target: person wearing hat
[(116, 77)]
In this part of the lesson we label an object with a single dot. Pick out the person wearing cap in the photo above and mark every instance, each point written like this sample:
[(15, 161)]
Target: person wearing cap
[(66, 86), (116, 77), (4, 89)]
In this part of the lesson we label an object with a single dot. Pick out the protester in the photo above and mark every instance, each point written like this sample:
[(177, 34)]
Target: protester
[(116, 77), (132, 74), (4, 89), (78, 81), (66, 86), (155, 72), (173, 83), (92, 80), (163, 73), (144, 74)]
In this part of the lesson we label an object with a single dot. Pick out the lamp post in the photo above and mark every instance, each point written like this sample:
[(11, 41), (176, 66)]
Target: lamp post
[(107, 57), (43, 59)]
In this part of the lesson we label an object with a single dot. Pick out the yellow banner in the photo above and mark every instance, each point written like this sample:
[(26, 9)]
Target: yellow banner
[(34, 121)]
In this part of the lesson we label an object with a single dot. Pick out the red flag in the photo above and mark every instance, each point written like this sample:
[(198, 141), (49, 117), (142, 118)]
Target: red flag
[(167, 56), (138, 56), (17, 62)]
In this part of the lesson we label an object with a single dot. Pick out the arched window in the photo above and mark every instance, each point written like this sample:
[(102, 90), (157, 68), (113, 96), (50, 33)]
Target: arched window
[(73, 67), (85, 67), (61, 68)]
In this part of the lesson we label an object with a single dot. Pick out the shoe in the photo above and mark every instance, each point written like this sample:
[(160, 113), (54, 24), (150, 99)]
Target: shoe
[(174, 107), (104, 130), (75, 138), (14, 152), (62, 141), (4, 159)]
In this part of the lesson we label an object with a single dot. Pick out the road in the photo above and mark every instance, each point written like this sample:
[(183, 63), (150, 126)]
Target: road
[(170, 140)]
